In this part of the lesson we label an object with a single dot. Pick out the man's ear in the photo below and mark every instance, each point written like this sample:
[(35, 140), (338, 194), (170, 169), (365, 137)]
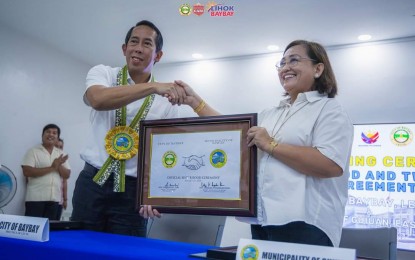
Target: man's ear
[(159, 54), (124, 48)]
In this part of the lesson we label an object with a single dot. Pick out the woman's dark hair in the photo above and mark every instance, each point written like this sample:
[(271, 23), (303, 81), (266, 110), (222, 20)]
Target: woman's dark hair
[(326, 83), (159, 37)]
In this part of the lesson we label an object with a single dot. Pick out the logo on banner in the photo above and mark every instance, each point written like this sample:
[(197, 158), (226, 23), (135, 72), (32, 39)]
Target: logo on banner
[(249, 252), (185, 10), (198, 9), (370, 137), (401, 136)]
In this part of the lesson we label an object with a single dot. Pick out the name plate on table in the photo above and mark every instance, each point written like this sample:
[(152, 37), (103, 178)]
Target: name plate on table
[(22, 227), (198, 165), (249, 249)]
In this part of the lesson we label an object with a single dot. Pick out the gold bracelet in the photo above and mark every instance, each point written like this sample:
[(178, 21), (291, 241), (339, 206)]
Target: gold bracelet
[(274, 144), (200, 107)]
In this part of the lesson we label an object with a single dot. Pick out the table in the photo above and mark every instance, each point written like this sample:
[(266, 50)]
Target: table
[(82, 244)]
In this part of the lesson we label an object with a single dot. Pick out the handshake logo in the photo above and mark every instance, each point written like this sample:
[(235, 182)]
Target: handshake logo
[(193, 162)]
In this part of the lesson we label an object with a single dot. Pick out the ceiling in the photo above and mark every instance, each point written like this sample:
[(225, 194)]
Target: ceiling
[(93, 30)]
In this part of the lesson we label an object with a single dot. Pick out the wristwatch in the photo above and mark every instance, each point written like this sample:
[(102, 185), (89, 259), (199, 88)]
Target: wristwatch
[(273, 144)]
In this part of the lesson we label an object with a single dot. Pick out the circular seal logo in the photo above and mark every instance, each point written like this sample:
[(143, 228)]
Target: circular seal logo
[(218, 158), (169, 159), (401, 136), (185, 10), (249, 252), (121, 142)]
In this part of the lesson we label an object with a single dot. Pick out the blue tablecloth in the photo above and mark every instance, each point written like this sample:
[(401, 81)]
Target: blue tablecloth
[(82, 244)]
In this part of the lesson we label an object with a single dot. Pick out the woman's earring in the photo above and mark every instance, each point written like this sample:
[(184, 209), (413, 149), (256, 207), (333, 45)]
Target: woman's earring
[(316, 76)]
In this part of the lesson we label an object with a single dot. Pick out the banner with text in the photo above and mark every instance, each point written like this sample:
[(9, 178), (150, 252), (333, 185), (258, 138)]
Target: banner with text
[(382, 180)]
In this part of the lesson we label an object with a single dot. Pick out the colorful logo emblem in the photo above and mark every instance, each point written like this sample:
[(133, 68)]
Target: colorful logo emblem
[(198, 9), (185, 10), (220, 9), (370, 137), (169, 159), (249, 252), (401, 136), (218, 158), (121, 142)]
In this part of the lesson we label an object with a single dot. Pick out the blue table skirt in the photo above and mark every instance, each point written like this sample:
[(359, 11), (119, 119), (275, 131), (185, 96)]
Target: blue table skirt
[(82, 244)]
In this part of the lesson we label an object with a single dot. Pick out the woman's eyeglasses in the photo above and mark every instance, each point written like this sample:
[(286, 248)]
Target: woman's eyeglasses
[(292, 62)]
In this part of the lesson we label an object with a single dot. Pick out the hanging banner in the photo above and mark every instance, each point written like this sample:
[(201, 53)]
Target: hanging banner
[(382, 180)]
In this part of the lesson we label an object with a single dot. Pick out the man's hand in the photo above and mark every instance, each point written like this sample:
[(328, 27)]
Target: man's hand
[(59, 161), (191, 97), (146, 211), (172, 91)]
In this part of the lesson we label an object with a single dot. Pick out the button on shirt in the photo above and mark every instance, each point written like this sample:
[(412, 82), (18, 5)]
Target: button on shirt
[(102, 121)]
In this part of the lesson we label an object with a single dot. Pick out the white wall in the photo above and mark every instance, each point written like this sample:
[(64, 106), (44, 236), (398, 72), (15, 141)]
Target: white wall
[(375, 81), (39, 85), (232, 86)]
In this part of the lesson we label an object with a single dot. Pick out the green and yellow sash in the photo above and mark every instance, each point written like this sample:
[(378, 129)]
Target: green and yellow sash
[(121, 142)]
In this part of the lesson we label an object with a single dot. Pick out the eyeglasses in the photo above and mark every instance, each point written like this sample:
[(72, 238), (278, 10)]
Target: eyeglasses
[(292, 62)]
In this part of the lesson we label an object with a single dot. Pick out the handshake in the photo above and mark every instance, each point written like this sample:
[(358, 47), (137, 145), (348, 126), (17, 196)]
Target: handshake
[(178, 93)]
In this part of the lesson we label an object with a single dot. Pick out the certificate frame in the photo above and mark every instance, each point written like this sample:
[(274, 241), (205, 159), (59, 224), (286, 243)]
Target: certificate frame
[(245, 205)]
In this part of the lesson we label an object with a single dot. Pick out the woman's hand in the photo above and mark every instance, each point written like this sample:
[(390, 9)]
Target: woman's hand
[(191, 98), (259, 136)]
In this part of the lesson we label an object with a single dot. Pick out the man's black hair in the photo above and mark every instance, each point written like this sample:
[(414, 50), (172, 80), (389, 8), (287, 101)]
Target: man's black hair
[(159, 37), (49, 126)]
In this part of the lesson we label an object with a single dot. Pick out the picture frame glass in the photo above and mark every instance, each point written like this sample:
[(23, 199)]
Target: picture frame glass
[(198, 165)]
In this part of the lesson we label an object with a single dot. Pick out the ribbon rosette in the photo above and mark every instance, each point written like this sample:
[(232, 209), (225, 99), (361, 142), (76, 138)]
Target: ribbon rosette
[(121, 142)]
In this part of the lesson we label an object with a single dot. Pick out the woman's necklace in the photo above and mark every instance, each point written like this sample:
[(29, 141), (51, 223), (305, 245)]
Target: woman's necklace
[(280, 119), (286, 115)]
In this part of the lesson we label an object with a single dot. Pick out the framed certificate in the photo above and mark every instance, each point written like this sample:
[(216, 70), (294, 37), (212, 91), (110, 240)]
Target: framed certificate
[(198, 165)]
